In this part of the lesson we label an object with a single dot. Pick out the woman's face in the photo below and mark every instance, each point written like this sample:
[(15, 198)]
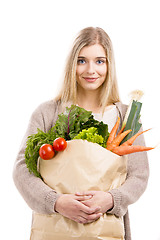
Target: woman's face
[(91, 68)]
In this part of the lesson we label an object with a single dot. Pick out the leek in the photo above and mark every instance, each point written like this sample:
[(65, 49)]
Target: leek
[(131, 120), (135, 95)]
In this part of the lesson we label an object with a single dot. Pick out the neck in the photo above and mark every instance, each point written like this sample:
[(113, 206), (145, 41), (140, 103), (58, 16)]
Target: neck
[(89, 101)]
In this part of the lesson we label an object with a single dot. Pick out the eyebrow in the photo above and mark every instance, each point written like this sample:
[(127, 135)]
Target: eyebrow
[(96, 57)]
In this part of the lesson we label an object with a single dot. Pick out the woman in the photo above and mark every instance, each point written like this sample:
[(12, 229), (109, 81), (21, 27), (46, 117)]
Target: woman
[(90, 82)]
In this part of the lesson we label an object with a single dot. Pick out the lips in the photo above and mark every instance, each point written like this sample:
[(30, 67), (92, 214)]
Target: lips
[(88, 79)]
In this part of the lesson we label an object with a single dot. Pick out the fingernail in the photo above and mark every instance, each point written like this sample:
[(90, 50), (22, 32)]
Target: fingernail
[(89, 196), (78, 193)]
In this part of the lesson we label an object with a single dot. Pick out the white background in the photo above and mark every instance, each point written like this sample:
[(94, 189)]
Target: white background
[(35, 39)]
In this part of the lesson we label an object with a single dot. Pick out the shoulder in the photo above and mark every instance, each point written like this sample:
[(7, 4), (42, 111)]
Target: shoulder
[(46, 112), (48, 106), (122, 108)]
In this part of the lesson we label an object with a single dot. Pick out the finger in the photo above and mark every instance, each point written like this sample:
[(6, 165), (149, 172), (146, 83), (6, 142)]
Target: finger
[(88, 203), (89, 210), (85, 193), (96, 209), (80, 193), (82, 219), (79, 219), (90, 218), (83, 197)]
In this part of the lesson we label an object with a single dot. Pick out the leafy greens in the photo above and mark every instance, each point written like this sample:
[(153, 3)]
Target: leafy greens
[(68, 125), (91, 135)]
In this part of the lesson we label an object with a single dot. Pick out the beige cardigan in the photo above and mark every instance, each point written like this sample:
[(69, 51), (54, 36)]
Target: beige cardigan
[(42, 198)]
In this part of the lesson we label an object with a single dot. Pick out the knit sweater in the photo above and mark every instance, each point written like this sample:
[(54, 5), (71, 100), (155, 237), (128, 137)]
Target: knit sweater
[(41, 198)]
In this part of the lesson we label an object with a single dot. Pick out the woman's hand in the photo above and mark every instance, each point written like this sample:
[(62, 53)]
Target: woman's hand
[(70, 206), (99, 198)]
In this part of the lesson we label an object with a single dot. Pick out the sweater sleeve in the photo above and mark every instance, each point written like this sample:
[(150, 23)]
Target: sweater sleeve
[(35, 192), (136, 181)]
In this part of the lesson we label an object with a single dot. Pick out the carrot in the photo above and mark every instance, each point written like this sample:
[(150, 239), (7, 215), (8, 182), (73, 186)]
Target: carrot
[(113, 142), (130, 141), (122, 129), (123, 150), (118, 140), (113, 132)]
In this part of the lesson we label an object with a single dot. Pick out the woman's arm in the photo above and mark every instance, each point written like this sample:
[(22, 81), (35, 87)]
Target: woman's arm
[(133, 187), (39, 196), (35, 192), (136, 181), (118, 199), (137, 175)]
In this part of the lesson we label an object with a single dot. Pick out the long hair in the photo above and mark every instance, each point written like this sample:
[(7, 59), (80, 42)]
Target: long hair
[(109, 91)]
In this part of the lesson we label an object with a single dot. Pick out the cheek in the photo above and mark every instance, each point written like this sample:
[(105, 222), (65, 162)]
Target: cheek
[(79, 70), (103, 71)]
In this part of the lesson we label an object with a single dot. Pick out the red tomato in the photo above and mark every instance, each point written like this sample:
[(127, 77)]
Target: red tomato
[(59, 144), (46, 151)]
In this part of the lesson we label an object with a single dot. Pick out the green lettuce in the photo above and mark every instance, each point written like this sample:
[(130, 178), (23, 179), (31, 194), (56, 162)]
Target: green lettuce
[(91, 135)]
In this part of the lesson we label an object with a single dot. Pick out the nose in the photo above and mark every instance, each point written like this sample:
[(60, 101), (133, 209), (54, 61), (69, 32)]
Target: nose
[(90, 68)]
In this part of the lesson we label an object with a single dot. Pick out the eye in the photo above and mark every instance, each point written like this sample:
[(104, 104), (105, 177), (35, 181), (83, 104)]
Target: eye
[(100, 61), (81, 61)]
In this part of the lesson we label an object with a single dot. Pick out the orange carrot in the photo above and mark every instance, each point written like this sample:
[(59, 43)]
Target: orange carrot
[(118, 140), (113, 132), (130, 141), (123, 150), (122, 129), (113, 142)]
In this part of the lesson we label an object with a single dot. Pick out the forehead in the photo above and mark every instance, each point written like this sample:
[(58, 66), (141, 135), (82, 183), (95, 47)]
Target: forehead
[(92, 51)]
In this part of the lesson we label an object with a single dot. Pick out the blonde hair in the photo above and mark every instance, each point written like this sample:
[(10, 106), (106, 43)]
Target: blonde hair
[(87, 37)]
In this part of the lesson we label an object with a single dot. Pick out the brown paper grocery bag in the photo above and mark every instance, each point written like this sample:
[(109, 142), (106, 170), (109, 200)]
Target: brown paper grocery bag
[(81, 166)]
